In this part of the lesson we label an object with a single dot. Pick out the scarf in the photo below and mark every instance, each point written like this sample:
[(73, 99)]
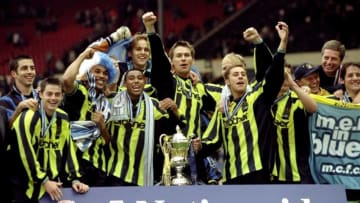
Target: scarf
[(84, 133), (225, 98), (225, 92), (45, 123), (99, 103), (122, 110)]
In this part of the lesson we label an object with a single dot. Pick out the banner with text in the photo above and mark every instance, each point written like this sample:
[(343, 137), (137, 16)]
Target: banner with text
[(335, 137), (207, 194)]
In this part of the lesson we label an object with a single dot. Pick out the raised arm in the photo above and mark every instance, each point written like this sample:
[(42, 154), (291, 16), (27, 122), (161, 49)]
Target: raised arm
[(275, 75), (161, 76), (283, 32), (70, 74), (262, 54), (309, 103)]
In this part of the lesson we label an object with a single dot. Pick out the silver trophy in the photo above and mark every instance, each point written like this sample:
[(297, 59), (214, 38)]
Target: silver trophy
[(175, 151)]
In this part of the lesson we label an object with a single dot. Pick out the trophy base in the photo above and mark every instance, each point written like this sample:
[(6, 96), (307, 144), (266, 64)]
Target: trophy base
[(180, 180)]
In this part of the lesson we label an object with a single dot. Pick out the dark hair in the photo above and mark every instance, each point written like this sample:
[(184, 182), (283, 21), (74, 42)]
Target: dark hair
[(344, 68), (14, 62), (181, 43), (50, 81), (127, 72)]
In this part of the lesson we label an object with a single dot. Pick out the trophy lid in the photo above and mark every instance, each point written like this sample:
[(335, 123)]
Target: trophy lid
[(178, 136)]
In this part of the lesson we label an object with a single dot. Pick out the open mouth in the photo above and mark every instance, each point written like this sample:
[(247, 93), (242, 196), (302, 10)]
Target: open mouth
[(183, 66), (136, 88), (142, 57), (29, 77), (356, 84), (313, 85), (100, 82), (329, 68), (53, 103)]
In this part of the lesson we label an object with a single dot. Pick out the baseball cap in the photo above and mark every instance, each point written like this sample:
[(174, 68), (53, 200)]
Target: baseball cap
[(304, 70)]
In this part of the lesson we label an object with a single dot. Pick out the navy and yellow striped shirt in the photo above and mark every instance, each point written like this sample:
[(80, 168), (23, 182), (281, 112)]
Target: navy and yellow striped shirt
[(190, 99), (291, 121), (44, 156), (189, 106), (78, 104), (248, 145), (78, 107), (127, 154)]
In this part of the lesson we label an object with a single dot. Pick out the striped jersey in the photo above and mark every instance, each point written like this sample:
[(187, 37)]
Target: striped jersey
[(78, 107), (126, 159), (291, 122), (248, 145), (78, 104), (191, 99), (44, 156)]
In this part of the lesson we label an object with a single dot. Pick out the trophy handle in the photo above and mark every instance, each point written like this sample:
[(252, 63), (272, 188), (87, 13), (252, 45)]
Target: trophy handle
[(161, 139), (166, 173)]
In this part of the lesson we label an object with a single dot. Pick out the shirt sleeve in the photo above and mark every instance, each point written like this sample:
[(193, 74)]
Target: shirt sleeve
[(27, 128), (161, 76)]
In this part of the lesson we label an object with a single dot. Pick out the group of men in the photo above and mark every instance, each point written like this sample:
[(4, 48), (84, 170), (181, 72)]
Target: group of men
[(80, 131)]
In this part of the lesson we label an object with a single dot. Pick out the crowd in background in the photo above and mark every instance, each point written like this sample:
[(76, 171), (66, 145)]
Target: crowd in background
[(313, 23), (124, 102)]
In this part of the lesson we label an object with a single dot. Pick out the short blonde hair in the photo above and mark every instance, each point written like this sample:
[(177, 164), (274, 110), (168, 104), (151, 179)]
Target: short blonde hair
[(137, 37), (235, 59), (227, 72)]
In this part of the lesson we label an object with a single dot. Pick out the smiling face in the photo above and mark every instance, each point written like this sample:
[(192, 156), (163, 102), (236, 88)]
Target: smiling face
[(140, 52), (25, 73), (101, 76), (330, 61), (312, 81), (237, 80), (134, 82), (352, 79), (51, 95)]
